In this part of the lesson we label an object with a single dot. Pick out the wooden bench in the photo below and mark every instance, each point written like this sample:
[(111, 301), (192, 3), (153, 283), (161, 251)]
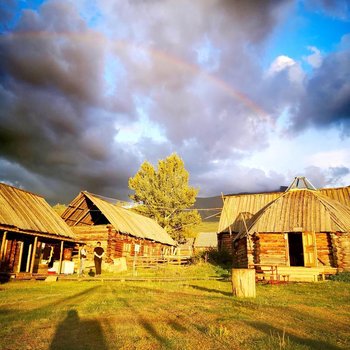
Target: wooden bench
[(269, 273)]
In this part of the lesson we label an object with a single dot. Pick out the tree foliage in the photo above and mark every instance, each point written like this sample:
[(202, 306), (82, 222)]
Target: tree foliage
[(164, 194), (59, 208)]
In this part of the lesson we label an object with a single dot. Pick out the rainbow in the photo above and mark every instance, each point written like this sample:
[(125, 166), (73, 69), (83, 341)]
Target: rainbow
[(94, 37)]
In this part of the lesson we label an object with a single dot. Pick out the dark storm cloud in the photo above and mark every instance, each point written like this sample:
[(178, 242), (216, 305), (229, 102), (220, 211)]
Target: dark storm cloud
[(74, 78), (326, 101), (54, 121), (58, 122)]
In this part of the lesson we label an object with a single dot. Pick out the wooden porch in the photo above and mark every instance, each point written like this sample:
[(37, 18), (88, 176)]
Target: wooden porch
[(283, 274)]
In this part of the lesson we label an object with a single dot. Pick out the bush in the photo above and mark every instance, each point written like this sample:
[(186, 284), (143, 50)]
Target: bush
[(214, 256), (341, 277)]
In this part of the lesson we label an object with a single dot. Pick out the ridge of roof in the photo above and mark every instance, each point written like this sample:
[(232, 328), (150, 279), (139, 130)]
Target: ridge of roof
[(21, 189)]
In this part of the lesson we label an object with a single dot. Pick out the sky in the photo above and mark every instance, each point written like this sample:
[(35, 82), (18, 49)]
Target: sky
[(248, 93)]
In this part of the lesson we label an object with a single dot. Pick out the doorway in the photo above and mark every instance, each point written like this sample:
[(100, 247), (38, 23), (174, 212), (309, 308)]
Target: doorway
[(296, 252)]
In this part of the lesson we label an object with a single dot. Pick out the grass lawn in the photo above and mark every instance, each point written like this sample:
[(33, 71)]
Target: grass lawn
[(207, 226), (173, 315)]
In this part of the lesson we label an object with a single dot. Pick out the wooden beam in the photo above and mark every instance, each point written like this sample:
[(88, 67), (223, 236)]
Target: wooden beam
[(20, 257), (61, 255), (33, 254), (80, 201), (28, 257), (82, 216), (3, 245)]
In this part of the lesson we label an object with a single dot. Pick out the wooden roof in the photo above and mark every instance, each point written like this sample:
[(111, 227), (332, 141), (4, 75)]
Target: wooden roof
[(29, 213), (89, 209), (246, 205), (299, 211), (340, 194), (237, 207), (206, 240)]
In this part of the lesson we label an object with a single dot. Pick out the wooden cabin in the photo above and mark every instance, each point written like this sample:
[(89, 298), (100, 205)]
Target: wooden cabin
[(122, 232), (302, 232), (34, 239)]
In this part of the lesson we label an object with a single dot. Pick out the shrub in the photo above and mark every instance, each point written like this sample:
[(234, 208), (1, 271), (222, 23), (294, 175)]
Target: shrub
[(214, 256), (341, 277)]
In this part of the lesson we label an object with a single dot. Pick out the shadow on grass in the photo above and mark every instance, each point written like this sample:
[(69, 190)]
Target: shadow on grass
[(74, 333), (310, 343), (147, 325), (177, 326), (204, 289), (12, 314)]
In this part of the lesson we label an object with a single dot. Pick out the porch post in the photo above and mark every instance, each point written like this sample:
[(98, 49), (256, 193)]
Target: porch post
[(33, 254), (3, 246), (20, 257), (28, 257), (61, 255)]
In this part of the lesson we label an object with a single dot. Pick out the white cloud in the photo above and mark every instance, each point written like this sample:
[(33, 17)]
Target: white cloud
[(332, 158), (315, 59), (287, 64)]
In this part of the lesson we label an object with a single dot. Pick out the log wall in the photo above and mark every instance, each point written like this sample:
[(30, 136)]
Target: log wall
[(342, 250), (11, 255), (272, 249), (225, 242), (324, 249), (240, 253), (345, 248), (115, 244)]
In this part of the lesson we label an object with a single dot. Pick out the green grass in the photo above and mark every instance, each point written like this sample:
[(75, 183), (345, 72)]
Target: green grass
[(207, 226), (173, 315)]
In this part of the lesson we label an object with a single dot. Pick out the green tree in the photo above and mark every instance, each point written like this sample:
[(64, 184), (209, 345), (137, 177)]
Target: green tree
[(164, 194), (59, 208)]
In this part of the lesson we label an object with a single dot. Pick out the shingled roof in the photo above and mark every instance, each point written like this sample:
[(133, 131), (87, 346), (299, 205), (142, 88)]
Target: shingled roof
[(26, 212), (89, 209)]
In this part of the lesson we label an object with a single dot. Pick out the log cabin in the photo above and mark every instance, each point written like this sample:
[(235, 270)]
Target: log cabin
[(122, 232), (34, 239), (302, 232)]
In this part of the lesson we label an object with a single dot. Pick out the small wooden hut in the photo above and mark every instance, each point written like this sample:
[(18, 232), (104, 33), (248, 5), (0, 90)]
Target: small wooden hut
[(122, 232), (302, 232), (33, 237)]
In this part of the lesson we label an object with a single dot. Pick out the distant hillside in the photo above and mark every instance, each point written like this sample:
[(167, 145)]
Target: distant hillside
[(212, 203)]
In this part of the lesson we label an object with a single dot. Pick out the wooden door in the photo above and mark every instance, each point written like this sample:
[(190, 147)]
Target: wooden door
[(309, 247)]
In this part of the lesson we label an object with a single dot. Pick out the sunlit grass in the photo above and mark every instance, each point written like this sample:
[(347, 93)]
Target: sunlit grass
[(173, 315)]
